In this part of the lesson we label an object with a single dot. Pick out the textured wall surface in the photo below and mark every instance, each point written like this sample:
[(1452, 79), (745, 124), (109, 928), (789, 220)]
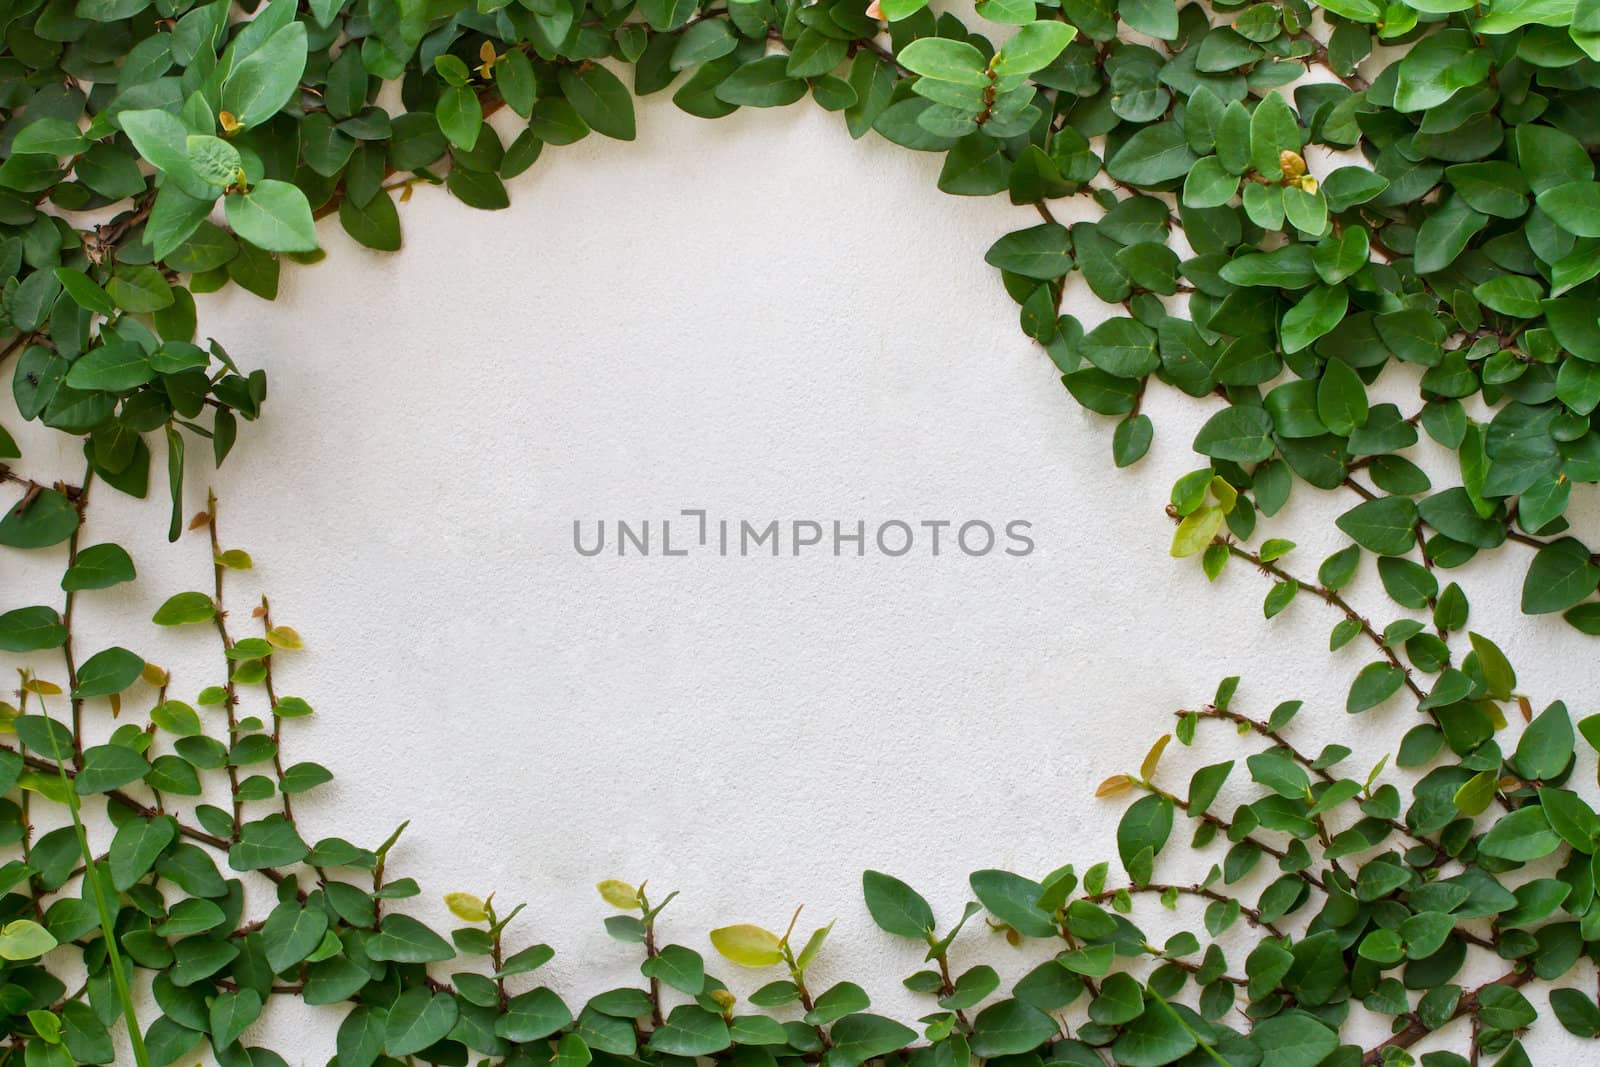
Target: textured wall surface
[(761, 318)]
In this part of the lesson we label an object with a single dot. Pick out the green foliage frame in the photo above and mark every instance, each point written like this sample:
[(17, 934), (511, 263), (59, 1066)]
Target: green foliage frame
[(1273, 245)]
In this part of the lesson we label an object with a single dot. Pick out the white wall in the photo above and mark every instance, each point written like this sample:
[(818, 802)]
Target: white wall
[(763, 318)]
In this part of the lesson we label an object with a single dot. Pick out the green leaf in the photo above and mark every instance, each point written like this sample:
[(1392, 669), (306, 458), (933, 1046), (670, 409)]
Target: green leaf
[(690, 1031), (971, 988), (1376, 683), (31, 630), (526, 961), (763, 83), (106, 672), (1437, 68), (1131, 439), (1043, 252), (1152, 156), (1546, 745), (1561, 575), (1341, 255), (140, 290), (1306, 211), (1122, 347), (1341, 398), (38, 521), (1409, 584), (213, 160), (1209, 184), (896, 907), (265, 80), (135, 848), (1276, 770), (1274, 129), (837, 1002), (1498, 675), (24, 939), (49, 136), (1570, 816), (85, 292), (859, 1038), (945, 60), (460, 116), (1032, 48), (702, 42), (747, 945), (176, 717), (1386, 525), (679, 967), (975, 166), (1196, 532), (273, 842), (1520, 837), (1009, 1028), (273, 216), (1012, 899), (185, 608), (601, 99), (291, 933), (1576, 1012), (1239, 433), (1155, 1038), (160, 137), (375, 224), (1142, 833), (231, 1014), (113, 367), (108, 767), (1294, 1039), (1317, 313), (1511, 294), (1445, 233), (514, 77), (175, 482), (418, 1019), (97, 567)]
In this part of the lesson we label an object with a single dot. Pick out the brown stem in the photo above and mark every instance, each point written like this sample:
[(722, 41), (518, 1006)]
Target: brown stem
[(194, 833), (81, 502), (655, 983), (1226, 828), (1333, 599), (219, 616), (1415, 1031), (1211, 711), (1252, 915), (277, 723)]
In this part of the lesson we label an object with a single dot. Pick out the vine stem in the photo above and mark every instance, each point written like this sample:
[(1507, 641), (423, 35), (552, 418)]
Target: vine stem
[(219, 616), (265, 613), (1252, 915), (948, 987), (194, 833), (81, 503), (1415, 1030), (1227, 828), (1335, 600), (1211, 711), (14, 344), (650, 952)]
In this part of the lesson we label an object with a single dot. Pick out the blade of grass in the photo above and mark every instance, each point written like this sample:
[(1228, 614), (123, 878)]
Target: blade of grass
[(101, 894)]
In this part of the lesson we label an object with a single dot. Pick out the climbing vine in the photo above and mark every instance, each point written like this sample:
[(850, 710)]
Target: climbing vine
[(1305, 215)]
